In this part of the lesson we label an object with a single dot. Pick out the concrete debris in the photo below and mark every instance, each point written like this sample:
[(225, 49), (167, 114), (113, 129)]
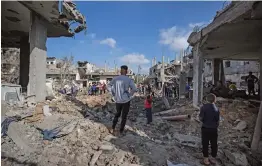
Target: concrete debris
[(106, 147), (95, 157), (49, 87), (166, 102), (238, 159), (15, 133), (171, 164), (188, 140), (166, 112), (242, 125), (46, 110), (177, 118), (10, 61), (84, 123)]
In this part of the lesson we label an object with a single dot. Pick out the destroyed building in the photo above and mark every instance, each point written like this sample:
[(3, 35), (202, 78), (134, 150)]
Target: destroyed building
[(175, 72), (26, 25), (88, 73), (234, 34), (10, 65)]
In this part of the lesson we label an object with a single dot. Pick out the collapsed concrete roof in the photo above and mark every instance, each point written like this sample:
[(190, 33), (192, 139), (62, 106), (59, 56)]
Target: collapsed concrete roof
[(16, 15), (235, 33)]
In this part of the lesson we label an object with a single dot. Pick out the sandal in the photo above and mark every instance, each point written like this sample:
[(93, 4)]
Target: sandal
[(206, 162), (212, 160)]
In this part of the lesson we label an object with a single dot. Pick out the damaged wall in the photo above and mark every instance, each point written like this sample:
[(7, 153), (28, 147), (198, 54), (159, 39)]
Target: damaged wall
[(234, 71), (10, 59)]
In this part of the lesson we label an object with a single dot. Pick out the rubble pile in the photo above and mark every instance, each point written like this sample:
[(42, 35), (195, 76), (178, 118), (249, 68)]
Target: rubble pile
[(75, 132), (10, 65)]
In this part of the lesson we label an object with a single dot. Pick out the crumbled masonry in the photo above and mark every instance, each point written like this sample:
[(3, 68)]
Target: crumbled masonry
[(88, 140)]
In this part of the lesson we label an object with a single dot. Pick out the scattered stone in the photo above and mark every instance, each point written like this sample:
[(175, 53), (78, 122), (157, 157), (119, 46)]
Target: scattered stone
[(238, 159), (109, 137), (106, 147), (144, 145), (95, 158), (17, 136), (188, 140), (158, 141), (242, 125)]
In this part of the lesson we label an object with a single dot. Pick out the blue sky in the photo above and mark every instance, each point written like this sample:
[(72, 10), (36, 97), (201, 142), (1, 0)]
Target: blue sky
[(133, 32)]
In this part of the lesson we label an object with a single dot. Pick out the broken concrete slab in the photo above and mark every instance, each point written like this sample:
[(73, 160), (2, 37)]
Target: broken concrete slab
[(106, 147), (15, 133), (95, 157), (55, 120), (109, 137), (188, 140), (242, 125), (238, 159)]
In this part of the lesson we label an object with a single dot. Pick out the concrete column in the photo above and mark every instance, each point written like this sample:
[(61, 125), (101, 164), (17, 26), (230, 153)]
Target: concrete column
[(163, 70), (24, 61), (182, 85), (258, 127), (37, 68), (197, 76), (222, 74), (216, 68)]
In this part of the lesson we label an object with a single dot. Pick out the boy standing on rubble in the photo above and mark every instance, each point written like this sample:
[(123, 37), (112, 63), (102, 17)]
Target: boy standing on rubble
[(209, 115), (119, 88)]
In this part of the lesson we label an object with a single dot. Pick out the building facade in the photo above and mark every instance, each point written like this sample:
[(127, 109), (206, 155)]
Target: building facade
[(235, 71)]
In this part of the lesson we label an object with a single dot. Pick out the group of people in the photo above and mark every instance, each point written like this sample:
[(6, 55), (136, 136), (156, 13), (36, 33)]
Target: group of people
[(145, 89), (123, 88), (229, 89), (97, 88), (171, 90)]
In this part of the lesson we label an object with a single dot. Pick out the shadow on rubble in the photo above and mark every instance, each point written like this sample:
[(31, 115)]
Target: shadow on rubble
[(14, 160)]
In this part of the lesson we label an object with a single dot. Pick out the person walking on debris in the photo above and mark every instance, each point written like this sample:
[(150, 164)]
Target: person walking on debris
[(148, 108), (209, 116), (119, 88), (251, 80)]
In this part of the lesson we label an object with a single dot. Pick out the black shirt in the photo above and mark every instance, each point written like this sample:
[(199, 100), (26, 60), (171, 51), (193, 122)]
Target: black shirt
[(209, 115), (251, 79)]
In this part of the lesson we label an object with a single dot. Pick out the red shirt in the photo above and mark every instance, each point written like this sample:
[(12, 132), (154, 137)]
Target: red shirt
[(147, 104)]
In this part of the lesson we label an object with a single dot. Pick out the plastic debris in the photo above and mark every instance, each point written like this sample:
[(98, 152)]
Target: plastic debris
[(5, 124), (58, 131)]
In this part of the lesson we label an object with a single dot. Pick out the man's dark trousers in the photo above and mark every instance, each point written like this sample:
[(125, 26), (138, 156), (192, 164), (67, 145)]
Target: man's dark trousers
[(209, 135), (149, 115), (251, 89), (121, 108)]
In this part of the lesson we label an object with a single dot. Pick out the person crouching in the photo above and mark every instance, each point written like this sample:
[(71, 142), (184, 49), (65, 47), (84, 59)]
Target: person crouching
[(148, 108)]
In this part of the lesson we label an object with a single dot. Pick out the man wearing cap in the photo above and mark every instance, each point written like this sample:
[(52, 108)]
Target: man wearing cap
[(119, 88)]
